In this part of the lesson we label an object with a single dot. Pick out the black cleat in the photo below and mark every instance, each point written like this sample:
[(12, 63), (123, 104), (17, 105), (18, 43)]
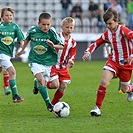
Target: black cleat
[(17, 99), (50, 107), (35, 91)]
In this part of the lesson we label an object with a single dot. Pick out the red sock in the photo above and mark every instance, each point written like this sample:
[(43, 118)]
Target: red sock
[(57, 96), (100, 96), (6, 80), (130, 88), (49, 85)]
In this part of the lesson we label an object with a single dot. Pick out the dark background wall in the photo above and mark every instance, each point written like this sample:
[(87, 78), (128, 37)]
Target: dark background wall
[(99, 54)]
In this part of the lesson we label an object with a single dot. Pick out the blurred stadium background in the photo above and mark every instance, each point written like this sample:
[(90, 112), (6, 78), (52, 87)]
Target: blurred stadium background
[(27, 12)]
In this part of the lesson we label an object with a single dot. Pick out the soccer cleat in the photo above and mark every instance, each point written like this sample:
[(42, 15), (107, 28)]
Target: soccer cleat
[(130, 96), (50, 107), (17, 99), (35, 90), (120, 91), (7, 91), (95, 111)]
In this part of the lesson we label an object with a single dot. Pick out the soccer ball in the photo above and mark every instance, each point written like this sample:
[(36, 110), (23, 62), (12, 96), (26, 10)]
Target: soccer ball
[(61, 109)]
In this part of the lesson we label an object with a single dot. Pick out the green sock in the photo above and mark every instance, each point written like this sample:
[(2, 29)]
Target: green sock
[(35, 83), (44, 93), (13, 87)]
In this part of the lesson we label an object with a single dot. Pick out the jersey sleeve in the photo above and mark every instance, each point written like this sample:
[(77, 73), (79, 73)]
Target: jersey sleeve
[(27, 35), (128, 33)]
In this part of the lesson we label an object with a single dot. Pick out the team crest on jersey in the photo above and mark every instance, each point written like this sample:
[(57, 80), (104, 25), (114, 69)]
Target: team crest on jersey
[(7, 40), (39, 49)]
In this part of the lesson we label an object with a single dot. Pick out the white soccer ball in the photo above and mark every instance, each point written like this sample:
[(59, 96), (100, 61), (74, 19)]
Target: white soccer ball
[(61, 109)]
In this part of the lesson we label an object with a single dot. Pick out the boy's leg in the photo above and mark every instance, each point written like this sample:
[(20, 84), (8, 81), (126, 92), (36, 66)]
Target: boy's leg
[(49, 85), (130, 93), (127, 88), (99, 100), (61, 83), (35, 88), (53, 84), (42, 74), (100, 96), (57, 96), (13, 87), (44, 93), (119, 88), (6, 83), (15, 96)]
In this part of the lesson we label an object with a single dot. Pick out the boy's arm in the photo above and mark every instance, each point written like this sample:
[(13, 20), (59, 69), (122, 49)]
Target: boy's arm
[(72, 55), (23, 46), (93, 47), (107, 49), (21, 43), (128, 33)]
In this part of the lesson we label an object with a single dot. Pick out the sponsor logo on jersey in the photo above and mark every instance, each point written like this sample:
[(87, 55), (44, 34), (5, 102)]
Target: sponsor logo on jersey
[(38, 39), (39, 49), (6, 33), (7, 40)]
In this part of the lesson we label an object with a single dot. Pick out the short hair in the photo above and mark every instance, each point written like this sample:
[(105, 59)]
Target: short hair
[(110, 13), (44, 15), (6, 9), (68, 20)]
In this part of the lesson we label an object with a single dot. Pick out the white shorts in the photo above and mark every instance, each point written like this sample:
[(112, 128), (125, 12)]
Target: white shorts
[(5, 61), (38, 68)]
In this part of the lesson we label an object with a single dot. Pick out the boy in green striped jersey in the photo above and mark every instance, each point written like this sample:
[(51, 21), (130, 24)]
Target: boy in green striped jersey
[(9, 31), (43, 41)]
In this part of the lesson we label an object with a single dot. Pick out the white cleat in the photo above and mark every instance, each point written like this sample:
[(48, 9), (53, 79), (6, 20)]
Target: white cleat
[(95, 111), (130, 96)]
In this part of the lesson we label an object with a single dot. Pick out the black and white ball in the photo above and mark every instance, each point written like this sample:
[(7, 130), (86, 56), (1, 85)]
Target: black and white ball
[(61, 109)]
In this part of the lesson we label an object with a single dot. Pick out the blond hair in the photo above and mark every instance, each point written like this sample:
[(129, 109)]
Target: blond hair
[(68, 20)]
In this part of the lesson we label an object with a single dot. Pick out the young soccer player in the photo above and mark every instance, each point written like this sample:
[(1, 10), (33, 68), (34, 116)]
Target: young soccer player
[(109, 51), (8, 32), (119, 62), (43, 41), (60, 76), (7, 91)]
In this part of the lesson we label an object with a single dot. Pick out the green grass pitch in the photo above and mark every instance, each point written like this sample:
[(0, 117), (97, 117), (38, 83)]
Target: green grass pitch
[(31, 116)]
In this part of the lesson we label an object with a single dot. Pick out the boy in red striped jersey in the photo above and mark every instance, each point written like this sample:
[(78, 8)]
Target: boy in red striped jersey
[(109, 51), (119, 62), (60, 74)]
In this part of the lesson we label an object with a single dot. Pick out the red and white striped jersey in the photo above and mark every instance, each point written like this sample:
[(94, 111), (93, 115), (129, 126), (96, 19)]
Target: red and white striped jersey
[(67, 53), (121, 43)]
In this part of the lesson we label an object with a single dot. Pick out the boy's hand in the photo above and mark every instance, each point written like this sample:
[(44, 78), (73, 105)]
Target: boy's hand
[(50, 43), (130, 59), (85, 57), (70, 64), (19, 53)]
